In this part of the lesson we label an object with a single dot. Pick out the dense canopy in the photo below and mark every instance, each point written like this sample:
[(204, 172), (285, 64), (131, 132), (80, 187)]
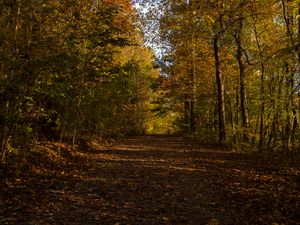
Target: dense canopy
[(233, 69)]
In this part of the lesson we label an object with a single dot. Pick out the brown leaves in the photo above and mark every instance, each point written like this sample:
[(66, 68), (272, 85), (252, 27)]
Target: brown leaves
[(152, 180)]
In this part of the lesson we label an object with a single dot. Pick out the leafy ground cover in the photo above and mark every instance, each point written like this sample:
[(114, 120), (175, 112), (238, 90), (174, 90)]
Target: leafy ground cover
[(148, 180)]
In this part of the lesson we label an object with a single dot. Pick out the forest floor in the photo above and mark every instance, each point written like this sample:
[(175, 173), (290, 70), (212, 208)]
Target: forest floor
[(149, 180)]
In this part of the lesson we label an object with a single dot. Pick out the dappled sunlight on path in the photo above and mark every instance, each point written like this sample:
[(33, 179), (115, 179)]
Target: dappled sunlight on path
[(154, 180)]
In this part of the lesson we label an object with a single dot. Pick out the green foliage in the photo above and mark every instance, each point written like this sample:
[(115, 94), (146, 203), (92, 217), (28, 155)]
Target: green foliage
[(258, 63), (60, 72)]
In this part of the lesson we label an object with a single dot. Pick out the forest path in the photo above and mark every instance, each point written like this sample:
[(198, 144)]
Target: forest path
[(153, 180)]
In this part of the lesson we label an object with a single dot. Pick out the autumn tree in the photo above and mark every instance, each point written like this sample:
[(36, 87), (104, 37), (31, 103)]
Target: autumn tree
[(65, 71), (251, 49)]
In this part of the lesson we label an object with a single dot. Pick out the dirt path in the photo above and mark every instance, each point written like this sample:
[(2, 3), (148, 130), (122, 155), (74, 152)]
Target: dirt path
[(152, 180)]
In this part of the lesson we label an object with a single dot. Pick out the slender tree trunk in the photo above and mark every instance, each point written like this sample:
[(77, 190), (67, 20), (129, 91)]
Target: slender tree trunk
[(192, 117), (236, 113), (295, 120), (220, 90), (231, 117), (262, 86), (193, 73), (291, 126), (186, 115), (289, 99), (244, 113)]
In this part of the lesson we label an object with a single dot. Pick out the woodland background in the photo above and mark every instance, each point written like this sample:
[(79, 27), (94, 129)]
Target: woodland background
[(232, 70), (70, 69), (227, 71)]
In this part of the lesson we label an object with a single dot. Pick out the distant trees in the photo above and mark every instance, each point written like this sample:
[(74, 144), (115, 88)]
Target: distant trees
[(70, 68), (78, 67), (244, 57)]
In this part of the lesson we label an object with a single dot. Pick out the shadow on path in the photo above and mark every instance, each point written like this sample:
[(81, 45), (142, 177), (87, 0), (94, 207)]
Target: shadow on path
[(154, 180)]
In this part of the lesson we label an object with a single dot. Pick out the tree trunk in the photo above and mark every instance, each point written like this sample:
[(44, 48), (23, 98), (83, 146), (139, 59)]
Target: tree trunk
[(192, 117), (295, 106), (192, 88), (291, 126), (295, 120), (220, 90), (244, 113), (262, 111), (262, 86)]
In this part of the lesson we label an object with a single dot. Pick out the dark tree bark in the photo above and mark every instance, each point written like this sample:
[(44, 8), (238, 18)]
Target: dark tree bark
[(242, 88), (220, 90), (291, 121), (262, 85)]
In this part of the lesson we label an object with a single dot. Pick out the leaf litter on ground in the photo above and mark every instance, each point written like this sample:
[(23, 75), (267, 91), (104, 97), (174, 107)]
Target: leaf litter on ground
[(148, 180)]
